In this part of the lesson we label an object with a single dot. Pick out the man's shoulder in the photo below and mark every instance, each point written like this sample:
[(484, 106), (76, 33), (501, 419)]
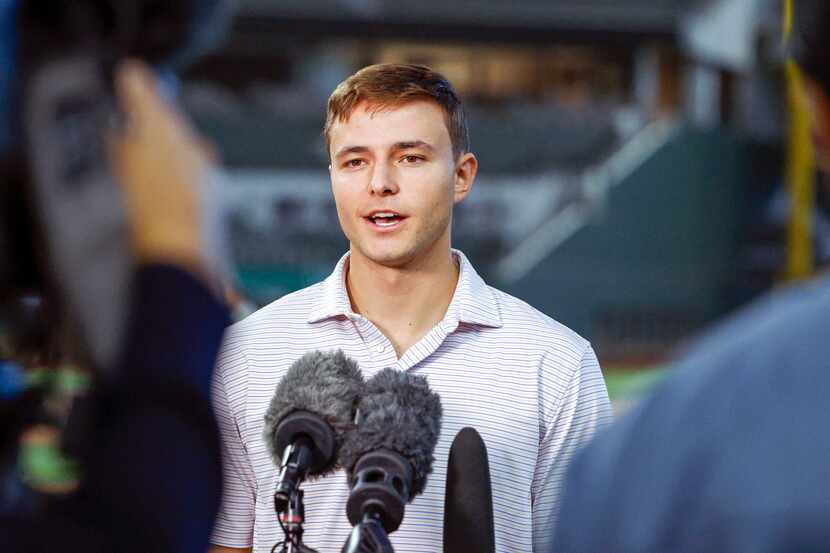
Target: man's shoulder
[(774, 322), (290, 308), (773, 352), (777, 332), (754, 388), (772, 338), (532, 327), (268, 339), (273, 322)]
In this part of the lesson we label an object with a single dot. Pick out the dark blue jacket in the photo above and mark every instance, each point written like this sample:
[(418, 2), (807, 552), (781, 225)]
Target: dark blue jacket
[(730, 454)]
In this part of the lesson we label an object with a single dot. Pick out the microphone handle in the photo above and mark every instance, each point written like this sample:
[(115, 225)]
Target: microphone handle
[(296, 461)]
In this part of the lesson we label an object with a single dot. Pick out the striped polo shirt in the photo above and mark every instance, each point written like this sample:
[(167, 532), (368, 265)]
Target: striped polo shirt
[(530, 386)]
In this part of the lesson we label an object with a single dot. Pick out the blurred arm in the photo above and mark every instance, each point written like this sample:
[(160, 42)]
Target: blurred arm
[(162, 166), (156, 452)]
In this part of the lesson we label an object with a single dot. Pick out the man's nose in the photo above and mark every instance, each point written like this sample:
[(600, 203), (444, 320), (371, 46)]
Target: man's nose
[(383, 181)]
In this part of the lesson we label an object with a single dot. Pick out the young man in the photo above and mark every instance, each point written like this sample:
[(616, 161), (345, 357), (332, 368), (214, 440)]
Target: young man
[(402, 298)]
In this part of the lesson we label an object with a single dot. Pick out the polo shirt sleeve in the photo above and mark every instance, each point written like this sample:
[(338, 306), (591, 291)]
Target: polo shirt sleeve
[(235, 521), (576, 413)]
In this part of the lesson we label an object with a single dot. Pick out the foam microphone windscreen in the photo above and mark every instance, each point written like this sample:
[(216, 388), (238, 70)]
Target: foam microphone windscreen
[(468, 501), (398, 413), (324, 385)]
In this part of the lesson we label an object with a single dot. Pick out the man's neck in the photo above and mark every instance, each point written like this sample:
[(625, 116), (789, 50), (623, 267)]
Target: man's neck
[(403, 302)]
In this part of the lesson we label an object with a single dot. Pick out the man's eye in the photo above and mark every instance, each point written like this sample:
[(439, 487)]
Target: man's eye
[(412, 159), (353, 163)]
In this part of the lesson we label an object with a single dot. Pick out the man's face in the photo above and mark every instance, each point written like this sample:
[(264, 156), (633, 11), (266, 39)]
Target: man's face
[(395, 180)]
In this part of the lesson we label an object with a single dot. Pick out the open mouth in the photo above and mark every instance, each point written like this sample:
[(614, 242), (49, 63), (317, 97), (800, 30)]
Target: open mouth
[(385, 219)]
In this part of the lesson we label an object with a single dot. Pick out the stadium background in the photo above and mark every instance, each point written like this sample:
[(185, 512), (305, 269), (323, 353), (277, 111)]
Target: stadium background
[(644, 167), (633, 154)]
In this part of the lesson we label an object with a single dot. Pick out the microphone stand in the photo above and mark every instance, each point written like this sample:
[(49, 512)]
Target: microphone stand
[(288, 499), (291, 521)]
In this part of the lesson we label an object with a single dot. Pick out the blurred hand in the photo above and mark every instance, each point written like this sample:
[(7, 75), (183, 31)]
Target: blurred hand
[(161, 164)]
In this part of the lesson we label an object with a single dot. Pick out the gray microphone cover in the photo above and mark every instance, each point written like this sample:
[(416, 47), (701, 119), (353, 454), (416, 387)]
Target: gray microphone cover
[(398, 413), (327, 385)]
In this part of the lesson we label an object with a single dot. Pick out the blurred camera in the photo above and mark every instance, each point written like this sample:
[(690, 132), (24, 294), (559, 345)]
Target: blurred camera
[(63, 229)]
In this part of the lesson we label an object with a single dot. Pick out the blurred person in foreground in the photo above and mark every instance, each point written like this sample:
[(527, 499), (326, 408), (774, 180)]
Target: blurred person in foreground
[(403, 298), (150, 459), (732, 454)]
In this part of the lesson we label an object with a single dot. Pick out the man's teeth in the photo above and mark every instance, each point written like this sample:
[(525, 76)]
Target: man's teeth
[(385, 219)]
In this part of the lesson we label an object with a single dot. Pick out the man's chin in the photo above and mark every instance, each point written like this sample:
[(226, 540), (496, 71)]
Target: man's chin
[(391, 261), (388, 258)]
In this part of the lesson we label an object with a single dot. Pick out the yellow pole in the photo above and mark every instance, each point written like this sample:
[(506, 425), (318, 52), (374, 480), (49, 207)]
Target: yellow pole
[(800, 172)]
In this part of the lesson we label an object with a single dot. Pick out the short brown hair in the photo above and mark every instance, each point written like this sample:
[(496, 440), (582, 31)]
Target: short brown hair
[(389, 85)]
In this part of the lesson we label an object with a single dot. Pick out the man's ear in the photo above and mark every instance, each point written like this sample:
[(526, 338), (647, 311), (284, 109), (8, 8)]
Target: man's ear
[(465, 174)]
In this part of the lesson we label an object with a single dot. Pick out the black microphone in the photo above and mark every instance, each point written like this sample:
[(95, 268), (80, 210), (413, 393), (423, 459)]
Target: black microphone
[(389, 455), (468, 500), (312, 408)]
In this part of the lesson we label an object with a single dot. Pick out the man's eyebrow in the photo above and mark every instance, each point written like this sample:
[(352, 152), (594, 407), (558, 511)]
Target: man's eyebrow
[(351, 150), (397, 146), (410, 144)]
